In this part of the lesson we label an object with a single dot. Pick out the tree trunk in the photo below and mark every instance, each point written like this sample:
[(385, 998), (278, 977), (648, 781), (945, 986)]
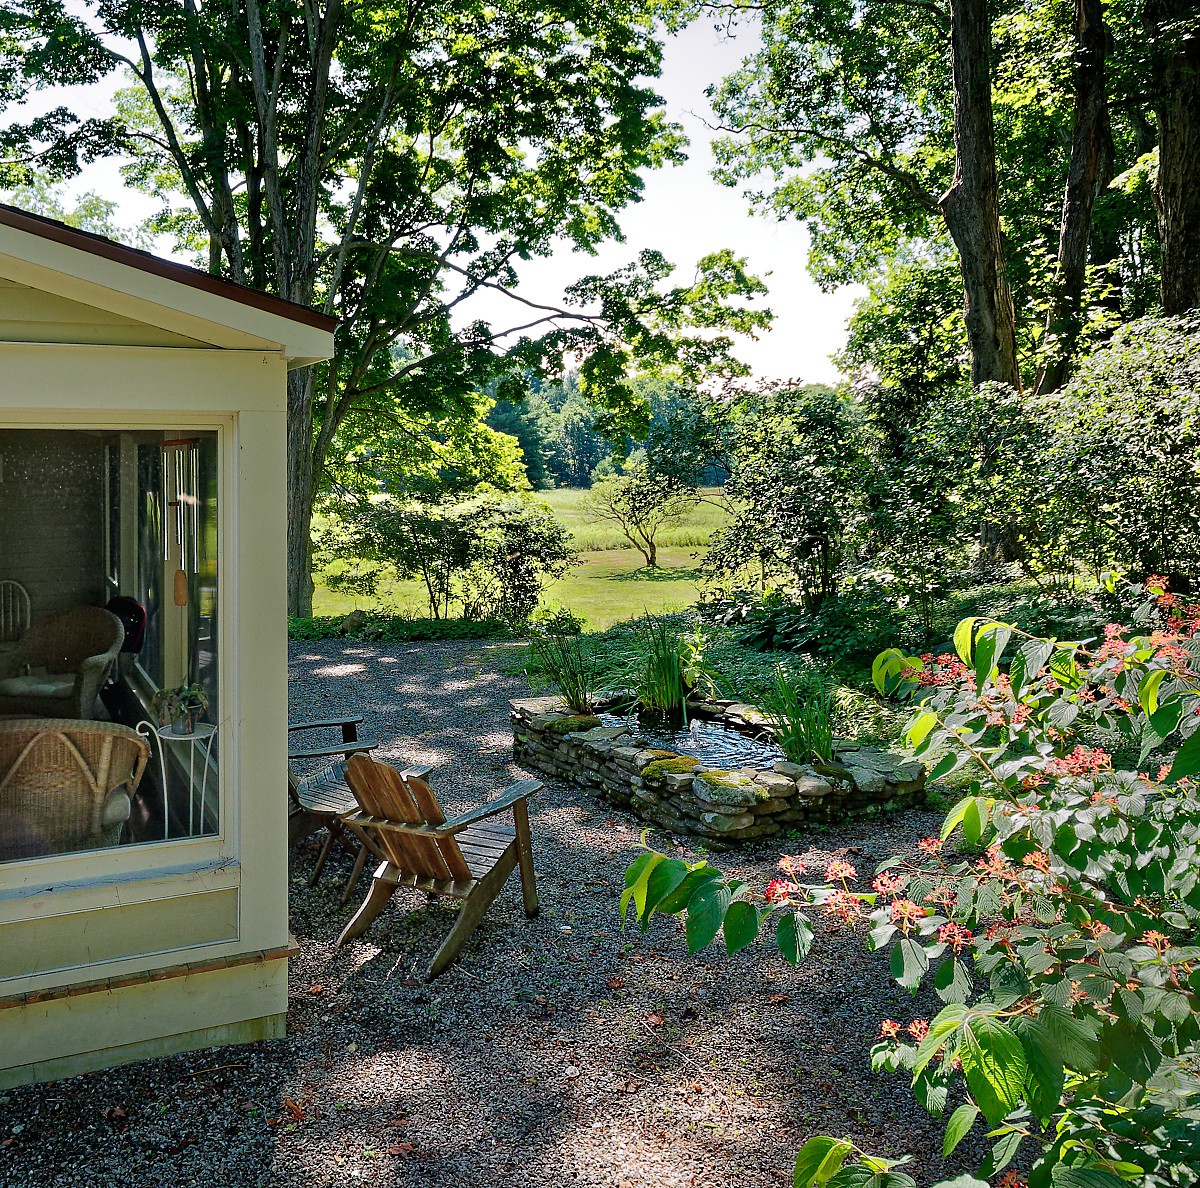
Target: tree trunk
[(1088, 174), (1174, 25), (301, 488), (971, 206)]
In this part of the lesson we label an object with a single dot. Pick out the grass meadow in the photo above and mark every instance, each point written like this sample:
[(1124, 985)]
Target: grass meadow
[(610, 584)]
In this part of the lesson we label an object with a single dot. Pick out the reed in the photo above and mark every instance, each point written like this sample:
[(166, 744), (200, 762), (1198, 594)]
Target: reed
[(802, 713), (570, 664)]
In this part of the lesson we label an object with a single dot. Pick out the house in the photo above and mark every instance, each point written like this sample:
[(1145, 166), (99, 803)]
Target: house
[(142, 460)]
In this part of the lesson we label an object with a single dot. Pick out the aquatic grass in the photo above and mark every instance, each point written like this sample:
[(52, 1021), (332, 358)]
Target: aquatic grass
[(570, 663), (802, 713)]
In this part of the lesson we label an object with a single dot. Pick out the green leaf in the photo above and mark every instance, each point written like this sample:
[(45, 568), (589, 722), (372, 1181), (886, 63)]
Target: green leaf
[(975, 820), (1002, 1153), (944, 766), (818, 1160), (663, 879), (794, 936), (948, 1020), (679, 899), (637, 877), (962, 639), (920, 727), (909, 963), (1133, 1050), (1085, 1177), (741, 925), (952, 981), (1074, 1041), (993, 1063), (954, 817), (960, 1123), (1187, 760), (1028, 662), (1045, 1076), (705, 913), (1148, 691)]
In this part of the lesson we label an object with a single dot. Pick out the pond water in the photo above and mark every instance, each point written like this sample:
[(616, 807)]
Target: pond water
[(712, 743)]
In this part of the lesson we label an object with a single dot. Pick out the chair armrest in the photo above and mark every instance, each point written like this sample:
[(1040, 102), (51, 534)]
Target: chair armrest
[(318, 723), (346, 748), (521, 790)]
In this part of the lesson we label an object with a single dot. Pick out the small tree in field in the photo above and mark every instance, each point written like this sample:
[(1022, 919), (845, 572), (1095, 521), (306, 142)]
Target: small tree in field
[(641, 502)]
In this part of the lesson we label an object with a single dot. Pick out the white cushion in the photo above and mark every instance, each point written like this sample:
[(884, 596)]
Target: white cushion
[(45, 685)]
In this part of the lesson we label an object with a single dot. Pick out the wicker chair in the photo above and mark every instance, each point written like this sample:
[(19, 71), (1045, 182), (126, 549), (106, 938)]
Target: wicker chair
[(66, 785), (14, 613), (61, 664)]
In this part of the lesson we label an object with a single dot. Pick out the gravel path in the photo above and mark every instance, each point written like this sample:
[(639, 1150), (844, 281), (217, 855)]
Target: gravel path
[(557, 1051)]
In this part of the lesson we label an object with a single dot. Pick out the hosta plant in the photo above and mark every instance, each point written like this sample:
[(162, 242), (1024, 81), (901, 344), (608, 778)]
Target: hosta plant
[(1055, 916)]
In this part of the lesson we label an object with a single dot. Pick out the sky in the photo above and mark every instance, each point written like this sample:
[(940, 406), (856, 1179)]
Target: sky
[(684, 213)]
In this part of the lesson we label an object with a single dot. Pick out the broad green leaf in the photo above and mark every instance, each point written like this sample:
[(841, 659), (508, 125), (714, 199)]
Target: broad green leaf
[(1003, 1151), (993, 1063), (1187, 760), (1132, 1049), (705, 913), (1074, 1041), (947, 1021), (920, 727), (679, 899), (944, 766), (960, 1123), (1044, 1076), (793, 935), (962, 639), (1028, 662), (663, 879), (741, 925), (1148, 691), (975, 820), (1085, 1177), (637, 878), (952, 981), (819, 1159), (909, 963), (955, 816)]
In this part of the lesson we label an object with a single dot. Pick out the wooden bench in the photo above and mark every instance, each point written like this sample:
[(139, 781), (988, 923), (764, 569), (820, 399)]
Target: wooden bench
[(468, 857)]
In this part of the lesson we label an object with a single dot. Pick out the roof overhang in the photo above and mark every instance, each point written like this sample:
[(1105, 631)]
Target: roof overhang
[(73, 264)]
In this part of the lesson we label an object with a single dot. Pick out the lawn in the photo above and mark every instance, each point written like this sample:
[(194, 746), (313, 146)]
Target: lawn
[(611, 583)]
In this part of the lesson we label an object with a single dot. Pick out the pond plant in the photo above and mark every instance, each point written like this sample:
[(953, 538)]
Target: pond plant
[(1055, 916), (666, 668), (570, 663), (801, 710)]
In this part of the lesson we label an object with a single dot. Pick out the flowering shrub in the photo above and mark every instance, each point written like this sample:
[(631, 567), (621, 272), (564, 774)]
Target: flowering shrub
[(1055, 916)]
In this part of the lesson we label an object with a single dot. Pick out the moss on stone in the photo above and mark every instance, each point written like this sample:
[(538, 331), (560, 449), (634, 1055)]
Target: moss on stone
[(571, 725), (723, 779), (677, 764)]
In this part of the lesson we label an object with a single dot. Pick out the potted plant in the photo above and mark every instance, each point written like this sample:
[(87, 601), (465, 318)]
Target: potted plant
[(180, 707)]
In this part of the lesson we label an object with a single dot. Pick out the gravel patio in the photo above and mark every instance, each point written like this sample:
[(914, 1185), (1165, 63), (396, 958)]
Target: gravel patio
[(557, 1051)]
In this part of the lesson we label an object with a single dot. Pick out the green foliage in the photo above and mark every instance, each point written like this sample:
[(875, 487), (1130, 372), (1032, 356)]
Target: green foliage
[(490, 558), (802, 712), (665, 667), (796, 491), (398, 628), (1065, 957), (570, 663), (640, 501)]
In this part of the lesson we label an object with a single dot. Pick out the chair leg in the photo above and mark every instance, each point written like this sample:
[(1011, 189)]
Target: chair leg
[(323, 856), (525, 858), (355, 874), (473, 909), (383, 886)]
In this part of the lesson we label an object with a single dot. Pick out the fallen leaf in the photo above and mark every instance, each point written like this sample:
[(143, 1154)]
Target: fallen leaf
[(401, 1149), (776, 999), (292, 1108), (616, 982), (316, 990), (655, 1020)]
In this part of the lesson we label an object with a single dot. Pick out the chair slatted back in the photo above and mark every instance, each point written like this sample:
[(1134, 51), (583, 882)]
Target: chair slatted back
[(14, 611), (383, 791)]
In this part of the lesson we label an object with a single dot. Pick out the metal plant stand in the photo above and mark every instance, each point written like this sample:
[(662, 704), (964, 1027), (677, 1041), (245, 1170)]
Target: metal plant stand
[(199, 743)]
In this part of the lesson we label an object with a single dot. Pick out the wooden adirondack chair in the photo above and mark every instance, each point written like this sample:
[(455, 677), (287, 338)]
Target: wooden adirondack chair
[(467, 857), (319, 800)]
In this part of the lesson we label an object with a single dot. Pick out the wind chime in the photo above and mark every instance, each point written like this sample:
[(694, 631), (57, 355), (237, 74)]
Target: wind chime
[(181, 508)]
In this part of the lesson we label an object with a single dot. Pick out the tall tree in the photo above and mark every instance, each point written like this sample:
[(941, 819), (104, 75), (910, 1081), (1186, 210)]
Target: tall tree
[(1089, 172), (388, 163), (1174, 31), (971, 205)]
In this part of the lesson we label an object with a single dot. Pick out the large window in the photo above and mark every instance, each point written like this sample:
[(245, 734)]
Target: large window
[(110, 699)]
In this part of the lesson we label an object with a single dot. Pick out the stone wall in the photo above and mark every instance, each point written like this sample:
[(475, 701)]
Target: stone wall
[(677, 794)]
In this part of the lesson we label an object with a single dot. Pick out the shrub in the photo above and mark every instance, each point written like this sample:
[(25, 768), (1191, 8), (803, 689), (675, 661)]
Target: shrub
[(802, 713), (1061, 940), (398, 629)]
